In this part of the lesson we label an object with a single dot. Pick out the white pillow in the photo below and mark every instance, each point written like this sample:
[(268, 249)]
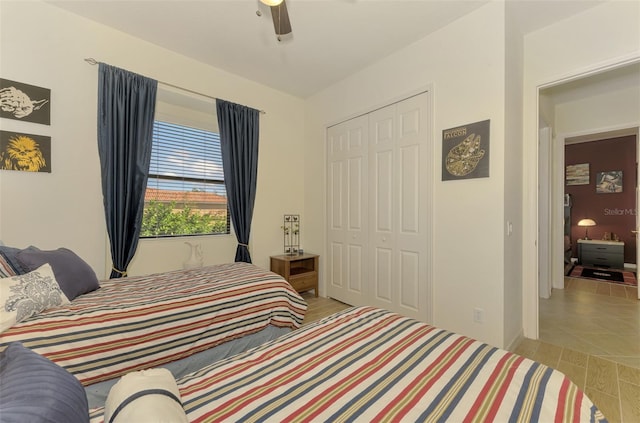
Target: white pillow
[(145, 396), (22, 296)]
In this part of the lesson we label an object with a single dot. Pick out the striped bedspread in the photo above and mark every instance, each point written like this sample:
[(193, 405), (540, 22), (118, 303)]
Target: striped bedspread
[(370, 365), (141, 322)]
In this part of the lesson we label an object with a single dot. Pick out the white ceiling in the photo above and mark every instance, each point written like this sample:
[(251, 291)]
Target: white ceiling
[(331, 39)]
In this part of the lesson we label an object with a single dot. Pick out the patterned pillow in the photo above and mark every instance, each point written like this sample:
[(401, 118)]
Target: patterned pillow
[(5, 268), (28, 294)]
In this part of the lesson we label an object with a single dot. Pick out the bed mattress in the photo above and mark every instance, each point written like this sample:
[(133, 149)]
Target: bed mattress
[(371, 365), (140, 322)]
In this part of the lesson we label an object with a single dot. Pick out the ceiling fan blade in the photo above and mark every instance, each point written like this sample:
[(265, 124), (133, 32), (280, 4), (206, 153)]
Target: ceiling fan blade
[(280, 17)]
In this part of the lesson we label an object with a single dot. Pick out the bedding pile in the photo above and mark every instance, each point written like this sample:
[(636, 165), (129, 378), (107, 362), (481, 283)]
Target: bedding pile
[(370, 365), (142, 322)]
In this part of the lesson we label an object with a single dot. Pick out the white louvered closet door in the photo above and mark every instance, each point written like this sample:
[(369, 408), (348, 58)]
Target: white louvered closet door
[(379, 209), (347, 224)]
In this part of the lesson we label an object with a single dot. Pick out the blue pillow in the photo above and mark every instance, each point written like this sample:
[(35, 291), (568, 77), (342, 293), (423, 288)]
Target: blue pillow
[(35, 389), (9, 255), (73, 274)]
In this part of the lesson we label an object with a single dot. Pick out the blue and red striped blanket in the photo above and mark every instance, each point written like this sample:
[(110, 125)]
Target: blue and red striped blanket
[(140, 322), (370, 365)]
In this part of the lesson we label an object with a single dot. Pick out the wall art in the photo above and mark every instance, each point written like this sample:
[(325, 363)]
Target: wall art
[(25, 152), (24, 102), (465, 151), (577, 174), (609, 182)]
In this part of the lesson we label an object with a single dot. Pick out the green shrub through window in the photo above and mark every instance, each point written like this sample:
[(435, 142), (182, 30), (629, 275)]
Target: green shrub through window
[(185, 192)]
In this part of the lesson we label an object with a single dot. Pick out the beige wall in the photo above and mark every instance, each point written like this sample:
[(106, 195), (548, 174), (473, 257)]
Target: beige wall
[(464, 65), (615, 109), (64, 208)]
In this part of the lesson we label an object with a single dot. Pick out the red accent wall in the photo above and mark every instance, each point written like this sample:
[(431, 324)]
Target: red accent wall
[(613, 212)]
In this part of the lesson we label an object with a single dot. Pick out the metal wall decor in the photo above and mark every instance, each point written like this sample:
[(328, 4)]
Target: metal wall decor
[(24, 102), (25, 152), (465, 151), (291, 229)]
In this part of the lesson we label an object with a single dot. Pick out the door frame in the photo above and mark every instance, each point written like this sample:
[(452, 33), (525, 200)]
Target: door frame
[(530, 248)]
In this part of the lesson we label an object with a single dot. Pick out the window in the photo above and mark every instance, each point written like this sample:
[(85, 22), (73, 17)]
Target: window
[(185, 193)]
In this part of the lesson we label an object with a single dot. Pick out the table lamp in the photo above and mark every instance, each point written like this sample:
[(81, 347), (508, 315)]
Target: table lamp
[(586, 223)]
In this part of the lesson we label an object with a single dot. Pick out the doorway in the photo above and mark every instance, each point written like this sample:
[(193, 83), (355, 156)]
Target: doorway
[(578, 109)]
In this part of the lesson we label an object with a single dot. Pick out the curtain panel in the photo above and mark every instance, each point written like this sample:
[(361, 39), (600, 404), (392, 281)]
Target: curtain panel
[(239, 132), (126, 109)]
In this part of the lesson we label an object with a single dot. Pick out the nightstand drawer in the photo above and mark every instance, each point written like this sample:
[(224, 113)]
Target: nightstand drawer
[(301, 271), (601, 258), (304, 282), (611, 249)]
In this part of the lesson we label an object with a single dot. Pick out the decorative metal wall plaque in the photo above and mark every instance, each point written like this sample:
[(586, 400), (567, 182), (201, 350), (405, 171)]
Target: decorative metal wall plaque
[(25, 152), (24, 102), (465, 151)]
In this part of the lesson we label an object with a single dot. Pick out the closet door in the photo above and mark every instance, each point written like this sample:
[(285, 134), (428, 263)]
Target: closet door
[(347, 199), (399, 187)]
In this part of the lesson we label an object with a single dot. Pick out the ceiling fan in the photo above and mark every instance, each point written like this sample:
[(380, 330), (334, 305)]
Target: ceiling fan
[(280, 16)]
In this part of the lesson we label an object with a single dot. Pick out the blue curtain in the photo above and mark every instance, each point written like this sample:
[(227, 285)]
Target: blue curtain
[(239, 133), (126, 108)]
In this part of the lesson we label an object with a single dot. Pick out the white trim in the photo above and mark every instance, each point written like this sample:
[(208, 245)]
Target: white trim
[(515, 342), (395, 99), (530, 195)]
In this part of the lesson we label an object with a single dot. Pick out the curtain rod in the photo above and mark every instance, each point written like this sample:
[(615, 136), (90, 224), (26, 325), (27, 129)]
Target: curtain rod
[(92, 61)]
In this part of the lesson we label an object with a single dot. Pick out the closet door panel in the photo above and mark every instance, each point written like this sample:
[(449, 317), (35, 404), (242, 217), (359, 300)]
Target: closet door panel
[(383, 204), (383, 279), (336, 266), (409, 279), (413, 231), (409, 189), (383, 192), (347, 197)]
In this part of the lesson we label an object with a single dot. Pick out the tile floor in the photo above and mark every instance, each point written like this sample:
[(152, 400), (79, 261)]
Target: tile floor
[(597, 318), (614, 386)]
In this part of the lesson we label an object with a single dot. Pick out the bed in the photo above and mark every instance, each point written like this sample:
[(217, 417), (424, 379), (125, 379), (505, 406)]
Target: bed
[(366, 364), (181, 320)]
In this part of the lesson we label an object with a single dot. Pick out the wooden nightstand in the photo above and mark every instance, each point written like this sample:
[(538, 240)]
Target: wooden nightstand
[(301, 271)]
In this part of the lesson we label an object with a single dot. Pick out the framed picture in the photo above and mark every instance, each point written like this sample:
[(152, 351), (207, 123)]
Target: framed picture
[(577, 174), (25, 152), (465, 151), (609, 182), (24, 102)]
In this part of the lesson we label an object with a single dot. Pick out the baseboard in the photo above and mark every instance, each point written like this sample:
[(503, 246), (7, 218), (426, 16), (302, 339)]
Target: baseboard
[(516, 341), (631, 266)]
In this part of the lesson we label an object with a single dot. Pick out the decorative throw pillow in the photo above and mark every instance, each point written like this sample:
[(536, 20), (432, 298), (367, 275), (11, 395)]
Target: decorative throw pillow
[(150, 395), (25, 295), (35, 389), (73, 274), (9, 256), (5, 268)]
